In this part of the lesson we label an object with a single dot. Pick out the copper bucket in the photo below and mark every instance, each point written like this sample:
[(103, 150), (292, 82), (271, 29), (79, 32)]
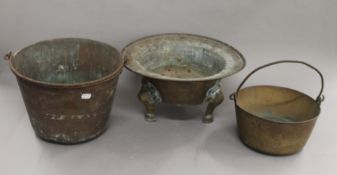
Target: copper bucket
[(68, 87), (275, 120)]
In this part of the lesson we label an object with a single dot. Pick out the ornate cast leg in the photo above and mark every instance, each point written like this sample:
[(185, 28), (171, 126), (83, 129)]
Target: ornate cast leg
[(214, 97), (149, 96)]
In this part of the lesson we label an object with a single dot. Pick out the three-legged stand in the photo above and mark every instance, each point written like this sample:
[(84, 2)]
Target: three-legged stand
[(150, 96)]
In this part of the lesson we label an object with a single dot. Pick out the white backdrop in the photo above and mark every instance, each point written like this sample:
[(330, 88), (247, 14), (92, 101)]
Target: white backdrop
[(263, 30)]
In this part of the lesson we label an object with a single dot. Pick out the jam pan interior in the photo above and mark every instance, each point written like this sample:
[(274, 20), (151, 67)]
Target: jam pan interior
[(277, 104)]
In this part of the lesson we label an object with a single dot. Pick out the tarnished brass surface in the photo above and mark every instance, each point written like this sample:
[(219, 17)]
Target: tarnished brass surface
[(275, 120), (181, 69), (68, 86), (181, 93)]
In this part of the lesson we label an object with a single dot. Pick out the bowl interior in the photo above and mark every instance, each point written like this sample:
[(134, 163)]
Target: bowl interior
[(277, 104), (66, 61), (182, 56), (181, 60)]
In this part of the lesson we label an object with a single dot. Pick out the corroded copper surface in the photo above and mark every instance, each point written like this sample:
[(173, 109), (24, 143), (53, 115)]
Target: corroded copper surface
[(68, 86)]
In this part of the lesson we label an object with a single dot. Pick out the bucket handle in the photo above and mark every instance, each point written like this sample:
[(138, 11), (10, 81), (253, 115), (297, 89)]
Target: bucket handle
[(8, 56), (320, 96)]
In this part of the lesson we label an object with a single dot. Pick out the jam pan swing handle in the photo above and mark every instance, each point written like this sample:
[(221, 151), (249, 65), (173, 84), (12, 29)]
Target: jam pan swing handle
[(320, 96)]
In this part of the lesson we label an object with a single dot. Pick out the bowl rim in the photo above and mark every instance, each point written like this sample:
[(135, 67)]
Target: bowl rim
[(151, 75), (105, 78)]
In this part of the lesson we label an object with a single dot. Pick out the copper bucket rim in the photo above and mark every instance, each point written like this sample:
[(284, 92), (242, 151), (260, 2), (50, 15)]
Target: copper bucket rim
[(320, 98), (105, 78)]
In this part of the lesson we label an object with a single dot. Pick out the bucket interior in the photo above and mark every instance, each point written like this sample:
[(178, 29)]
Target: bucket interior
[(66, 61), (277, 104)]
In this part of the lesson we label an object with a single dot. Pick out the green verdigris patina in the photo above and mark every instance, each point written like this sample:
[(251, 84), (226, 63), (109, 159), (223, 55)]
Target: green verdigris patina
[(68, 86), (185, 69)]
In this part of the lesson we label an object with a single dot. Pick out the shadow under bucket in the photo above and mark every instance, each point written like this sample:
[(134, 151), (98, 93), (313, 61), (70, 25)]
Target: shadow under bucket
[(68, 86), (275, 120)]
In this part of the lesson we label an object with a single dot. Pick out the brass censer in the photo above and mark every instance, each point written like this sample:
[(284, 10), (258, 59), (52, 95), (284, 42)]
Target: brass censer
[(182, 69)]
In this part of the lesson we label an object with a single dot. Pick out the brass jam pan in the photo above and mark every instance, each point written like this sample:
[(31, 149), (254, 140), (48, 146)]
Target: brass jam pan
[(275, 120)]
